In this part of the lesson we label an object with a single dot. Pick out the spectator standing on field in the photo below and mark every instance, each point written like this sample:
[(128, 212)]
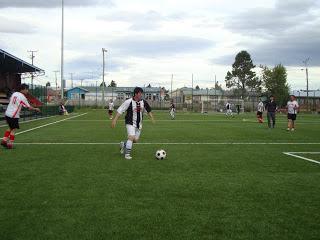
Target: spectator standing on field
[(271, 108)]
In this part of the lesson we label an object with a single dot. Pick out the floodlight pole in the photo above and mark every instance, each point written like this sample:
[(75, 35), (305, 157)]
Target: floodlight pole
[(55, 74), (62, 43), (103, 66)]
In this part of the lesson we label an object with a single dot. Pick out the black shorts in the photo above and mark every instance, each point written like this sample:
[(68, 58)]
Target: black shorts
[(293, 117), (13, 122), (110, 111), (259, 114)]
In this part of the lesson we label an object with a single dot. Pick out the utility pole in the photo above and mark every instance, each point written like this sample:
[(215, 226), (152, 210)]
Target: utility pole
[(171, 86), (307, 78), (103, 66), (62, 49), (71, 77), (215, 91), (192, 93), (32, 57)]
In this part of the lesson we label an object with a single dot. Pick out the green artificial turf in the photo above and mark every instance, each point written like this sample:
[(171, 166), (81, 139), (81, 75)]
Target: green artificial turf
[(68, 180)]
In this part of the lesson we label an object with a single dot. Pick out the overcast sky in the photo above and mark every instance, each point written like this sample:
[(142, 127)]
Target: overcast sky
[(147, 40)]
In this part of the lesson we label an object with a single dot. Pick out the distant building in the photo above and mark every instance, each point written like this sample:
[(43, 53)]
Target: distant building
[(185, 95), (93, 95), (76, 93)]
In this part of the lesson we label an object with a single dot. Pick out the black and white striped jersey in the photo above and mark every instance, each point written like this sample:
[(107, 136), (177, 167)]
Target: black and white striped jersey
[(135, 110)]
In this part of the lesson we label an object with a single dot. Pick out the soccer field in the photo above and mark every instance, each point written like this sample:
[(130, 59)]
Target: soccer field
[(223, 178)]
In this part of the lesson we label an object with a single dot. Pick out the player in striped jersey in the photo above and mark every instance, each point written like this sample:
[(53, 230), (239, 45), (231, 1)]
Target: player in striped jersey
[(135, 107), (12, 114), (172, 110)]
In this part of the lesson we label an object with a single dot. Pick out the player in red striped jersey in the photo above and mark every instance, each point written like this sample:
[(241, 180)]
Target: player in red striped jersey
[(12, 114)]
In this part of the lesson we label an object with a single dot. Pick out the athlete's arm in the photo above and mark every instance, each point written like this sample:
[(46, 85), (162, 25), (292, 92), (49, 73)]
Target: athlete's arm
[(114, 121), (151, 117)]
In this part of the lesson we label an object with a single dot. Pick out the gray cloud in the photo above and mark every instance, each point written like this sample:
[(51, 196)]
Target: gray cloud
[(289, 32), (91, 67), (281, 18), (13, 26), (148, 21), (49, 3), (142, 46)]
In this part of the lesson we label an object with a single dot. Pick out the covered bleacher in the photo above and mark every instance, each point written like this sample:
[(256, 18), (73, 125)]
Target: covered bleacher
[(11, 69)]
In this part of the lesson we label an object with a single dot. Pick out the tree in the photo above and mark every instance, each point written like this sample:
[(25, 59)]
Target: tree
[(242, 75), (103, 83), (218, 86), (112, 84), (275, 82), (255, 84), (197, 87), (48, 84)]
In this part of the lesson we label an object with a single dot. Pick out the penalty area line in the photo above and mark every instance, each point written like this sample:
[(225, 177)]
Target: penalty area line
[(48, 124), (295, 154)]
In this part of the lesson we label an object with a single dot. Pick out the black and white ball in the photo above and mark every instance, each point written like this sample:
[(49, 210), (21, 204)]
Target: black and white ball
[(161, 154)]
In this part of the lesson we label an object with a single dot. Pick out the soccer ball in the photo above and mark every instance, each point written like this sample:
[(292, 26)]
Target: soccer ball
[(161, 154)]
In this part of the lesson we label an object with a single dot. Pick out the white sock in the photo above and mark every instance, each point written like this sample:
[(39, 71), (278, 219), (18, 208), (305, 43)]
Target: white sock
[(129, 144)]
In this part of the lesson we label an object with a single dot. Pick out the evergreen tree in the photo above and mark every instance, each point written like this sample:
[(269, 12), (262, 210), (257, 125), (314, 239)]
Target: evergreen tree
[(242, 75)]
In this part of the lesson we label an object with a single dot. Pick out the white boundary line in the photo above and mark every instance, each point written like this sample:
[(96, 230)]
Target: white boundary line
[(163, 143), (32, 120), (48, 124), (195, 120), (294, 154)]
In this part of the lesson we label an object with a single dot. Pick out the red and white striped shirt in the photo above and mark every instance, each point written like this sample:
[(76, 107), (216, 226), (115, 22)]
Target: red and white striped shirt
[(17, 101)]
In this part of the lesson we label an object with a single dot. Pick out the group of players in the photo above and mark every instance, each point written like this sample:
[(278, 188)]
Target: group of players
[(271, 108), (134, 108)]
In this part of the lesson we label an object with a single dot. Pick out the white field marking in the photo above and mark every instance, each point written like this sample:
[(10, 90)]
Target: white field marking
[(190, 120), (48, 124), (164, 143), (32, 120), (294, 154)]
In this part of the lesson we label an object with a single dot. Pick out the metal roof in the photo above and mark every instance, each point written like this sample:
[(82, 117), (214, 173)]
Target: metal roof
[(80, 88), (122, 89), (201, 92), (303, 93), (12, 64)]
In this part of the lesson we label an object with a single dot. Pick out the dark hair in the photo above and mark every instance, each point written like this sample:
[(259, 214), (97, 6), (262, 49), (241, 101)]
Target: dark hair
[(23, 86), (137, 90)]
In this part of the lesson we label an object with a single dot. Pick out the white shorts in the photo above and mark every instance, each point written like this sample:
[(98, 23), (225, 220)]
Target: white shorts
[(133, 131)]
